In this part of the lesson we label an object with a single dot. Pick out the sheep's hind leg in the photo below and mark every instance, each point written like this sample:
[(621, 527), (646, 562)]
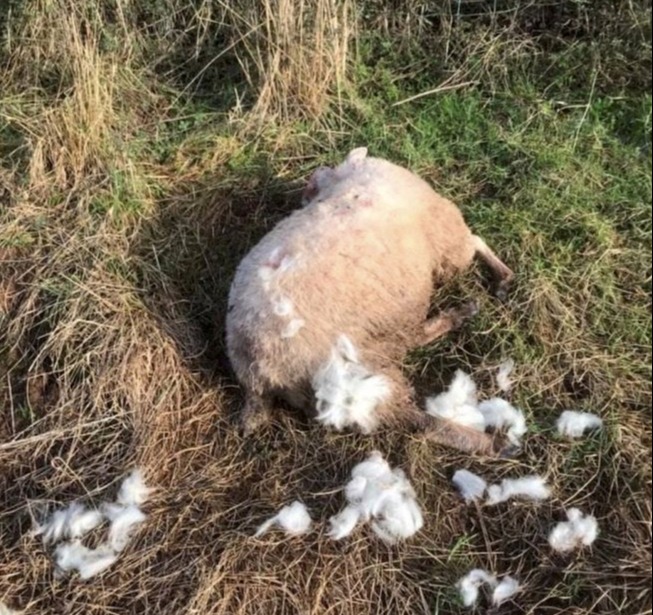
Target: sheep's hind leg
[(448, 320), (458, 437), (255, 413), (502, 273)]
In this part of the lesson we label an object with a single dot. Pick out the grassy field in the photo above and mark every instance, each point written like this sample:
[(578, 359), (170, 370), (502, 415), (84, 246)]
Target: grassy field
[(146, 145)]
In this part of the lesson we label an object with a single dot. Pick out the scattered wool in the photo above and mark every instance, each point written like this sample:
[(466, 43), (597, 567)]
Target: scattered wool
[(499, 413), (398, 517), (458, 403), (55, 528), (471, 486), (530, 487), (274, 265), (133, 490), (574, 424), (71, 522), (504, 382), (83, 521), (287, 262), (344, 522), (5, 610), (283, 307), (293, 327), (88, 562), (294, 519), (124, 519), (579, 530), (382, 495), (469, 585), (76, 520), (347, 393), (505, 589), (373, 468)]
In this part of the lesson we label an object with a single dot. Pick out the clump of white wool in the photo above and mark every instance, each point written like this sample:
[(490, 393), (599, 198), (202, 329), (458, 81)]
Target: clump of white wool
[(74, 555), (458, 403), (507, 588), (293, 328), (469, 587), (529, 487), (471, 486), (499, 413), (579, 530), (505, 369), (5, 610), (75, 521), (471, 583), (573, 424), (379, 494), (346, 393), (133, 490), (126, 514), (124, 519), (294, 519)]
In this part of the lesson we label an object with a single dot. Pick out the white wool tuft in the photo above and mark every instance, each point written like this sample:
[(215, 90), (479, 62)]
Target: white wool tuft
[(504, 382), (504, 590), (293, 328), (124, 520), (348, 394), (88, 562), (529, 487), (294, 519), (133, 490), (83, 521), (5, 610), (471, 486), (54, 528), (574, 424), (72, 522), (382, 495), (469, 585), (76, 520), (344, 522), (458, 403), (283, 307), (287, 262), (579, 530), (399, 516), (499, 413)]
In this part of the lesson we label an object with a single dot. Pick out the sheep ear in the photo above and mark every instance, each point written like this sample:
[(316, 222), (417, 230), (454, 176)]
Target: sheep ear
[(346, 349), (357, 155)]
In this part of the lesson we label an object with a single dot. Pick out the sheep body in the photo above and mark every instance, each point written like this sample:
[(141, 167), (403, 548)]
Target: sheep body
[(359, 260)]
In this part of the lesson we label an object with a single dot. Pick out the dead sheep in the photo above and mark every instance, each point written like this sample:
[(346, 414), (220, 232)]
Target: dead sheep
[(322, 311)]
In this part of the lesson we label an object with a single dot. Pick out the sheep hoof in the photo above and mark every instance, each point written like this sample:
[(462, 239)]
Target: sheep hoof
[(471, 309), (510, 451), (502, 290), (254, 415)]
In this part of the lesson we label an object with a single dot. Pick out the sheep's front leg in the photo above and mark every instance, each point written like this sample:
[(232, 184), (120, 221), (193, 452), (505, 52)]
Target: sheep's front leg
[(401, 412), (502, 273), (446, 321)]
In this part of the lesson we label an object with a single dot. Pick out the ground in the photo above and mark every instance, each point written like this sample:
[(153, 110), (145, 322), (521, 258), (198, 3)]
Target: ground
[(146, 146)]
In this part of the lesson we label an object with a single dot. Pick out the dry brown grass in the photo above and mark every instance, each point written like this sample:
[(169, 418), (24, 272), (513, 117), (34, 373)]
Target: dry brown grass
[(114, 267), (294, 53)]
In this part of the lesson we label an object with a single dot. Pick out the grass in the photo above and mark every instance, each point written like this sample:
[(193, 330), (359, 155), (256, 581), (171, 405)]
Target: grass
[(145, 147)]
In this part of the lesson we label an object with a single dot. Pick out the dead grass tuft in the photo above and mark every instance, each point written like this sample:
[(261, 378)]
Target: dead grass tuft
[(295, 55)]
